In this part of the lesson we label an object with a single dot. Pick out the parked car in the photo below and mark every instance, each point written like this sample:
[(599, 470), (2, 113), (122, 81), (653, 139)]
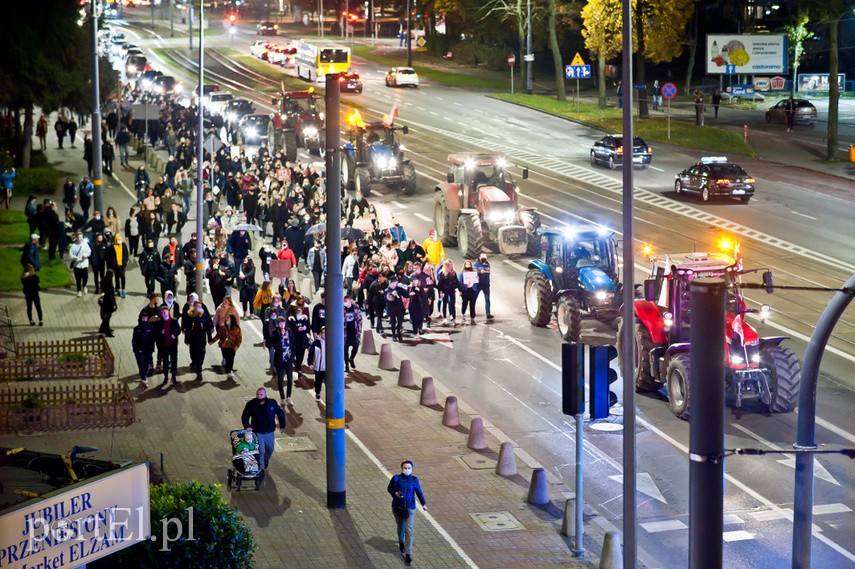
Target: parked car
[(609, 152), (350, 82), (401, 77), (267, 28), (260, 48), (805, 112), (282, 55), (715, 176)]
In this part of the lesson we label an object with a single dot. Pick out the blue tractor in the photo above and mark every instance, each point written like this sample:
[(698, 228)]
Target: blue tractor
[(372, 154), (576, 275)]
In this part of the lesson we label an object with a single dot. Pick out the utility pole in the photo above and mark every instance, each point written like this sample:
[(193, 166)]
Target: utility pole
[(200, 153), (706, 426), (96, 113), (190, 22), (334, 300), (528, 58), (409, 45), (806, 432), (630, 547), (171, 18)]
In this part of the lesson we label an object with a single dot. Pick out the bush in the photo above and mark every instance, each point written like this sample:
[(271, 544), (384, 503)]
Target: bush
[(220, 538), (43, 181), (470, 52)]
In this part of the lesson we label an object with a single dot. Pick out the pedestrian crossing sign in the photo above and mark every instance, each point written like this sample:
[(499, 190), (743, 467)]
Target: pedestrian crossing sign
[(577, 60)]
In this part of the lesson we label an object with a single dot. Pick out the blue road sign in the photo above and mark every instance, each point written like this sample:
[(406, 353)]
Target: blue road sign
[(730, 70), (669, 90), (577, 72)]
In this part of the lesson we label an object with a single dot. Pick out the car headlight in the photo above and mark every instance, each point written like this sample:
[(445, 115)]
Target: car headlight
[(737, 359), (310, 131), (132, 68), (251, 131), (178, 88)]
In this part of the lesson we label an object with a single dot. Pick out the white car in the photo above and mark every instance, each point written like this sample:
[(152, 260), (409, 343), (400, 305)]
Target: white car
[(402, 77), (218, 101), (282, 55), (260, 47)]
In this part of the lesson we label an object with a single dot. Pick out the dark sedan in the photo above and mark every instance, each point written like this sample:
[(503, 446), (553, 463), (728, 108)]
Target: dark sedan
[(805, 112), (267, 28), (236, 109), (715, 176), (350, 83), (609, 152), (256, 129)]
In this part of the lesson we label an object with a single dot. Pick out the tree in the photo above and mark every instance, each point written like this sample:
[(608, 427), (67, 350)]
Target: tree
[(797, 35), (44, 59), (514, 10), (598, 29), (658, 28), (566, 14)]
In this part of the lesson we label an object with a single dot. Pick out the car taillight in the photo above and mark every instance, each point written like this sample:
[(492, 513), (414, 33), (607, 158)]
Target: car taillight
[(341, 78), (649, 150), (619, 150), (723, 182), (749, 180)]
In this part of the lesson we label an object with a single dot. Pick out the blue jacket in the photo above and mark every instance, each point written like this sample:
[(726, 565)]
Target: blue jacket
[(240, 245), (483, 274), (6, 177), (409, 488), (399, 233)]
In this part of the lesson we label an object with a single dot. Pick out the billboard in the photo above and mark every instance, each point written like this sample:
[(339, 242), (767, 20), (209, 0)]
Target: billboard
[(819, 82), (749, 54), (86, 522)]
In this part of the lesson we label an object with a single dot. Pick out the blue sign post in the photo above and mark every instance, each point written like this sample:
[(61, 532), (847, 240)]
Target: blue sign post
[(730, 69), (577, 71)]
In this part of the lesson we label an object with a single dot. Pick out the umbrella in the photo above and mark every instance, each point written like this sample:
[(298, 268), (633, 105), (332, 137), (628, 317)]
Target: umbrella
[(352, 233), (317, 228), (247, 227)]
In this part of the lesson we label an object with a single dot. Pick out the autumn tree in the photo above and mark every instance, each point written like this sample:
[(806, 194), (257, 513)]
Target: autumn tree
[(659, 32), (601, 38), (515, 11), (797, 35)]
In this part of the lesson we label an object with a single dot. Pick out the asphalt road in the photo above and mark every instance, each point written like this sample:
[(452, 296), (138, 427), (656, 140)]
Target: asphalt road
[(509, 371)]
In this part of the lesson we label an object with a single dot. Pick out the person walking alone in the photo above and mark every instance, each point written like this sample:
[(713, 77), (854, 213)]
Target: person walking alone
[(259, 416), (80, 253), (699, 108), (30, 283), (230, 337), (404, 489), (716, 101), (107, 302)]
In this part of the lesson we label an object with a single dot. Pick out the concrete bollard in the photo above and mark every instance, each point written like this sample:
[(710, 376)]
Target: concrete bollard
[(507, 464), (612, 556), (428, 396), (405, 376), (368, 347), (568, 524), (476, 434), (386, 357), (538, 494), (451, 416)]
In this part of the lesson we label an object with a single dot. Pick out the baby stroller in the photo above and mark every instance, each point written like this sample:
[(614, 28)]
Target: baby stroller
[(246, 460)]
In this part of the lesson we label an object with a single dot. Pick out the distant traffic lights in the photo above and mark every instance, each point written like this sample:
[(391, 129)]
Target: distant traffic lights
[(232, 19), (600, 377)]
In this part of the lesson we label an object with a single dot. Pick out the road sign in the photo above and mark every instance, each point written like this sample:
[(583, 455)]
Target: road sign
[(730, 69), (777, 83), (577, 60), (577, 72), (421, 41), (528, 57), (511, 59), (669, 91)]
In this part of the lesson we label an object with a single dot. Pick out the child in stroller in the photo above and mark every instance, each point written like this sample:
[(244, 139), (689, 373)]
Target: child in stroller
[(246, 459)]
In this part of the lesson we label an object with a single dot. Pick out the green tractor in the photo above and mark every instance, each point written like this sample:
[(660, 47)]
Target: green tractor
[(576, 275)]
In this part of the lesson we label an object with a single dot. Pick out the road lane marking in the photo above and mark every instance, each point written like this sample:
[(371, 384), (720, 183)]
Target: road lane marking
[(831, 509), (738, 535), (655, 168), (434, 113), (667, 525), (398, 204), (646, 485), (803, 215), (769, 515), (515, 265), (423, 217), (732, 519), (834, 428)]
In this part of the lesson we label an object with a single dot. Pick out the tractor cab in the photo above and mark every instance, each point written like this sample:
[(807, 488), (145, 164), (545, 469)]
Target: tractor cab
[(300, 105), (373, 154), (301, 121), (477, 174)]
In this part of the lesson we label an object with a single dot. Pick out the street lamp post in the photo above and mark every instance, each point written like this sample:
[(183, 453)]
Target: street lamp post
[(200, 154), (96, 113), (529, 60), (409, 44)]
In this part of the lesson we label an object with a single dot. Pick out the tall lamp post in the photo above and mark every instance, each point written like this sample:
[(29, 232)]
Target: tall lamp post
[(529, 60), (200, 154), (96, 113), (409, 45)]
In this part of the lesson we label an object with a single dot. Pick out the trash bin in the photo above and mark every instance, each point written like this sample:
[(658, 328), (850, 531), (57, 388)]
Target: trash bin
[(851, 153)]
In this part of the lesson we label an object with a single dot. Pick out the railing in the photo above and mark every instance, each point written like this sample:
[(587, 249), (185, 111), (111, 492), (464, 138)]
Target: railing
[(58, 360), (58, 408)]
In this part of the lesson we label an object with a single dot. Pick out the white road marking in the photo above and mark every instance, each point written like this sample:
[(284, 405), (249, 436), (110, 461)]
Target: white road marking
[(738, 535), (456, 104), (768, 515), (830, 509), (434, 113), (803, 215), (423, 217), (646, 485), (834, 428), (421, 108), (398, 204), (438, 98), (652, 167), (732, 519), (515, 265), (667, 525)]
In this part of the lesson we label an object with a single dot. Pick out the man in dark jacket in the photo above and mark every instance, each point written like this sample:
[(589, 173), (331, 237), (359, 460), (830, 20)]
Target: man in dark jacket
[(149, 265), (395, 308), (376, 301), (296, 236), (352, 331), (190, 271), (142, 342), (259, 415), (277, 216), (167, 275), (31, 256), (240, 245)]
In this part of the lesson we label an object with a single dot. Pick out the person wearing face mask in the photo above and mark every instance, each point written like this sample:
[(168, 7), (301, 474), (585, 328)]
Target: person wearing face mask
[(316, 260), (352, 331), (300, 326), (283, 359), (395, 308), (263, 298), (196, 325), (230, 337), (98, 260), (95, 225), (318, 361), (416, 295), (468, 278), (285, 253), (80, 253), (376, 301), (269, 319), (168, 332), (404, 489), (482, 265), (117, 261), (259, 416), (142, 343), (149, 262), (434, 252)]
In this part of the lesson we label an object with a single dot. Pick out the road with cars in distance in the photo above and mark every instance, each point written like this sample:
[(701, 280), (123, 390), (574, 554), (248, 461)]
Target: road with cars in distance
[(509, 371)]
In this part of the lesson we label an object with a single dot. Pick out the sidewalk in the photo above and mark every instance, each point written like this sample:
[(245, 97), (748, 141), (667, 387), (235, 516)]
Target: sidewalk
[(189, 424)]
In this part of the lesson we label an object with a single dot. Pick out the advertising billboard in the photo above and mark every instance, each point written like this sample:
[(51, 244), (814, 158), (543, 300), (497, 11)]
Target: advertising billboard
[(86, 522), (818, 82), (746, 54)]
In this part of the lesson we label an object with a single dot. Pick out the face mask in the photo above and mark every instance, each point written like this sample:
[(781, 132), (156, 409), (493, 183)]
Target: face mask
[(484, 260), (97, 217), (347, 304), (393, 285), (276, 305), (407, 470)]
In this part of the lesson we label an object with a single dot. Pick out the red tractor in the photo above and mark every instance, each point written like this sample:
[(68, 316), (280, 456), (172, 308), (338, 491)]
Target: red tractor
[(755, 368), (478, 203), (298, 123)]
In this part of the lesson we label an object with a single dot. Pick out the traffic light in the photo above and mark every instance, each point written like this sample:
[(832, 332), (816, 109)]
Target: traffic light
[(232, 19), (600, 377), (572, 379)]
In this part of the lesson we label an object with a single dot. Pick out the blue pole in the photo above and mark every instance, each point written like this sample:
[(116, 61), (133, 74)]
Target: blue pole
[(806, 434), (334, 300)]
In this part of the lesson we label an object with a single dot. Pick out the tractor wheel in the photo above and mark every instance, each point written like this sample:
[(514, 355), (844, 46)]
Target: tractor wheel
[(784, 377), (537, 294), (531, 221), (644, 380), (469, 237), (321, 150), (409, 187), (362, 179), (348, 164), (290, 141), (677, 380), (442, 221), (569, 317)]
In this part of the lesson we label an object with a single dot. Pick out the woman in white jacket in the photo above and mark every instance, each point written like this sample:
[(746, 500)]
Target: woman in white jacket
[(80, 253), (318, 361)]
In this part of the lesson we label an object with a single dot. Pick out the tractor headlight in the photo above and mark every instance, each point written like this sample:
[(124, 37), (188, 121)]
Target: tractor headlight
[(764, 312), (310, 132), (251, 132), (601, 295), (755, 358), (737, 359), (501, 216), (668, 321)]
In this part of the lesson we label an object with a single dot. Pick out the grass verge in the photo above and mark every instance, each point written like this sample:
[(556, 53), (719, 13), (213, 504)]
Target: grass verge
[(655, 129), (53, 274), (422, 65), (247, 60), (14, 229)]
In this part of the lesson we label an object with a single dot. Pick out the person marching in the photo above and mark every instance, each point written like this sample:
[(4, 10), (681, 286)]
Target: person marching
[(283, 359), (352, 331), (318, 361), (404, 489), (230, 337), (395, 308)]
